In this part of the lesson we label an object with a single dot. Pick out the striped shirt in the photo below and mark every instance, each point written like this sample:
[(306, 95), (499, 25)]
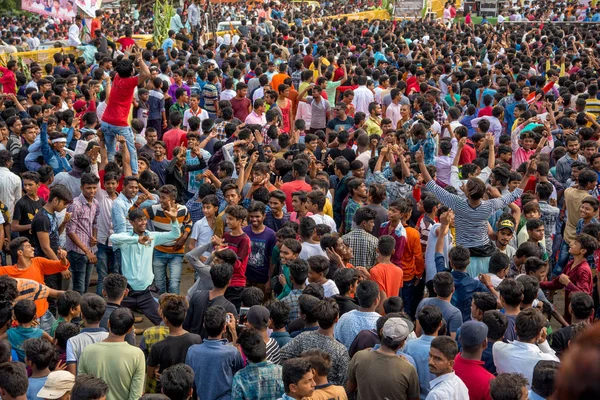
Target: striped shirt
[(83, 223), (31, 290), (472, 223), (273, 352), (156, 104), (162, 223)]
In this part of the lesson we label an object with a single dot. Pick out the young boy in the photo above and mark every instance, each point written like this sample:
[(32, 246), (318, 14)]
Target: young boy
[(535, 234), (28, 205), (276, 217), (114, 289), (260, 268), (298, 270), (172, 349), (68, 306), (577, 275), (315, 204), (239, 242), (548, 213), (318, 267), (46, 178), (321, 185), (588, 211), (320, 362), (39, 354), (280, 318), (232, 198), (310, 246), (289, 251), (387, 275), (430, 205), (511, 296), (24, 312), (357, 194), (297, 379), (204, 229)]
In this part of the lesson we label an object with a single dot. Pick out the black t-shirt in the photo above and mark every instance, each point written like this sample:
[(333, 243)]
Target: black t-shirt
[(199, 303), (560, 339), (172, 350), (44, 222), (347, 153), (25, 211), (338, 125)]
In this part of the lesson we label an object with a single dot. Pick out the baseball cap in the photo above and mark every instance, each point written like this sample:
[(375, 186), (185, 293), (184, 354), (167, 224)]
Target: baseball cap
[(508, 224), (258, 317), (57, 384), (396, 329), (473, 333)]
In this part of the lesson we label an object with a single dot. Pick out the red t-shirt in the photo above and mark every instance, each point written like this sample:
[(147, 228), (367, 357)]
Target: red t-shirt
[(121, 97), (240, 107), (101, 176), (126, 43), (468, 154), (475, 377), (485, 112), (96, 25), (8, 81), (241, 246), (294, 186), (174, 138)]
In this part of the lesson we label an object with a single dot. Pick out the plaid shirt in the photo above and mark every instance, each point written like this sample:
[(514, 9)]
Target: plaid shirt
[(84, 219), (258, 381), (195, 209), (364, 246), (438, 112), (292, 300), (394, 189), (150, 337), (349, 214), (273, 223), (220, 128)]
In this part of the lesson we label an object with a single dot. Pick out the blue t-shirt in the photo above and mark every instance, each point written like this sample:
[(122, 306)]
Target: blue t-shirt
[(35, 385), (452, 315)]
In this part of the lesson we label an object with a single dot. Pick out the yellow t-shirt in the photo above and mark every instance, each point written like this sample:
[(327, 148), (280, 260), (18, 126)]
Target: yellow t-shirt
[(328, 209)]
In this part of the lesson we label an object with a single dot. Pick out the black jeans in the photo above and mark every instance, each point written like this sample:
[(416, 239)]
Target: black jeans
[(55, 281), (145, 301), (234, 295)]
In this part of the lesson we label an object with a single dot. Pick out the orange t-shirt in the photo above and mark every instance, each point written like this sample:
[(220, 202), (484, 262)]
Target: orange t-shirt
[(388, 277), (39, 267)]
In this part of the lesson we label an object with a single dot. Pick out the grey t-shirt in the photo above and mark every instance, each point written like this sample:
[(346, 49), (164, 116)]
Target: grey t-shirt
[(319, 110), (382, 216), (452, 315)]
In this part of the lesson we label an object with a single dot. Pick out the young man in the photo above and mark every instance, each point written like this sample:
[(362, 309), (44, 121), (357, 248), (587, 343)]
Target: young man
[(300, 206), (92, 311), (446, 385), (201, 300), (172, 349), (351, 323), (280, 318), (136, 257), (35, 268), (82, 233), (521, 355), (387, 275), (260, 379), (215, 361), (298, 274), (276, 217), (357, 194), (263, 240), (363, 244), (114, 289), (119, 364), (320, 362), (28, 205), (511, 296), (298, 379), (580, 309), (326, 312), (346, 280), (430, 320), (299, 171), (108, 262), (395, 377), (443, 285), (468, 365), (310, 245), (239, 242)]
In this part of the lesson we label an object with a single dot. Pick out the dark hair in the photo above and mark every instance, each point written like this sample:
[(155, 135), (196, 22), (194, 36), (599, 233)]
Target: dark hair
[(92, 307), (114, 285), (344, 278), (320, 361), (8, 288), (587, 242), (530, 288), (293, 371), (484, 301), (298, 270), (24, 311), (326, 312), (496, 323), (252, 296), (511, 291), (430, 318), (253, 345), (66, 301), (64, 332), (215, 319), (498, 262), (367, 293), (528, 324), (386, 245), (17, 244), (60, 192), (582, 305), (319, 264), (13, 379), (446, 345), (31, 176), (177, 381), (121, 321), (174, 309), (393, 304), (364, 214), (88, 387), (307, 304), (280, 314), (443, 284), (544, 374), (40, 352), (221, 275), (508, 386), (459, 257)]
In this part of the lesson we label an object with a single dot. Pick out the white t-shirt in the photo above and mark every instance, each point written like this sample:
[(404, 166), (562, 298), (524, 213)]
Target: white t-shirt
[(324, 219), (309, 250)]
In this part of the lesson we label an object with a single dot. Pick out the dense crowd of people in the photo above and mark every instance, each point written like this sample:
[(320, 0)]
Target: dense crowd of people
[(369, 209)]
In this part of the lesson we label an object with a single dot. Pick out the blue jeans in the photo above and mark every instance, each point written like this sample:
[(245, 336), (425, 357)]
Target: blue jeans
[(46, 321), (412, 294), (110, 136), (160, 264), (563, 259), (108, 263), (81, 269)]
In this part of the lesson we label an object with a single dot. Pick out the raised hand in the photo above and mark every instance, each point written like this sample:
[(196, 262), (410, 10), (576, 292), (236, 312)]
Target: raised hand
[(145, 240)]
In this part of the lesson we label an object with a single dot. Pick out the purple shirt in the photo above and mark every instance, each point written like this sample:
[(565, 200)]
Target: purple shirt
[(173, 88), (259, 260), (84, 220)]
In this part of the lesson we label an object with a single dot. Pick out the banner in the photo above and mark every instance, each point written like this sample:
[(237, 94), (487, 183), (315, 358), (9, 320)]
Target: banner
[(56, 9), (89, 6)]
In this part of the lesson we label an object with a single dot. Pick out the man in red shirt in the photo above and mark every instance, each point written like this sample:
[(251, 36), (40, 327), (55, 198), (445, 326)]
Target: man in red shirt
[(126, 42), (299, 170), (7, 77), (174, 137), (96, 24), (468, 365), (241, 105), (115, 118)]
